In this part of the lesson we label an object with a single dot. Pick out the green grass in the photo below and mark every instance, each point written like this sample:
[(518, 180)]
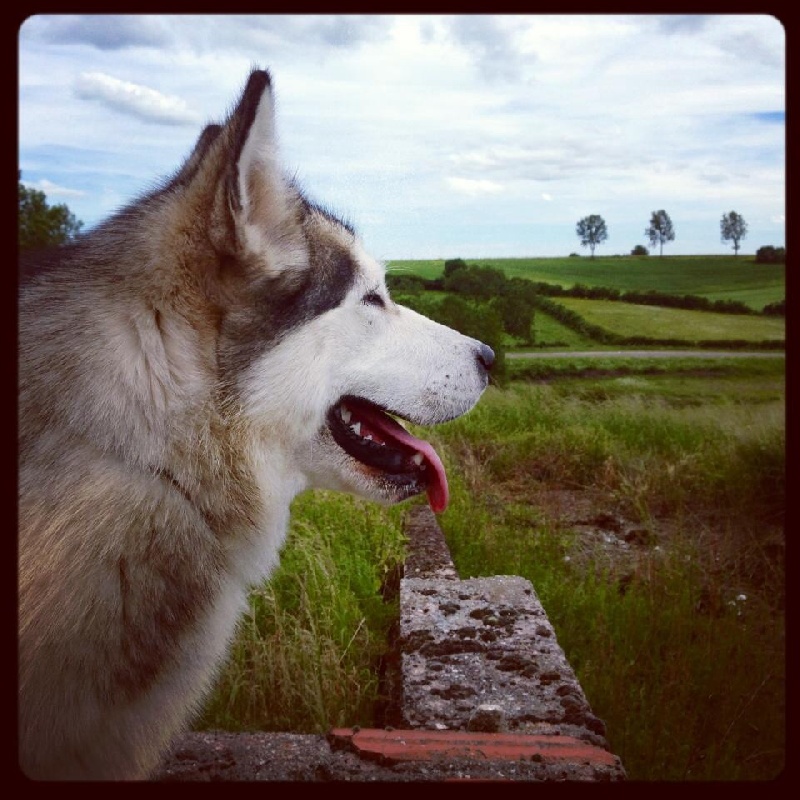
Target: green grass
[(549, 332), (714, 277), (305, 656), (689, 680), (628, 319), (678, 371), (427, 269)]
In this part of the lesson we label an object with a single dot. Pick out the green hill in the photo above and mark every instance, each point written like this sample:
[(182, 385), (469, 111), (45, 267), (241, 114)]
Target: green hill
[(714, 277), (627, 319)]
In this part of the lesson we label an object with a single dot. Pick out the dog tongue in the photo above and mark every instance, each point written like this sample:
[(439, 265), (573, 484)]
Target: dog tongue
[(438, 494), (388, 428)]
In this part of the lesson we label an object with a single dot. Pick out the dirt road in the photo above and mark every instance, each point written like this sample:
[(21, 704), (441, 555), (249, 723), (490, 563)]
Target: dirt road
[(649, 354)]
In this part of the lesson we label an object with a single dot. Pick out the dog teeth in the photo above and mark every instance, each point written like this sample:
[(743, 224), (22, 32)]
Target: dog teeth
[(418, 458), (346, 415)]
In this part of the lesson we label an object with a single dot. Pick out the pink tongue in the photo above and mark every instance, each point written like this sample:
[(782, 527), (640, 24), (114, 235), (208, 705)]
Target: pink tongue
[(438, 494)]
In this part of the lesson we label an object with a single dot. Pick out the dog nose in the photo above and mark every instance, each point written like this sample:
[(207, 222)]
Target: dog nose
[(485, 356)]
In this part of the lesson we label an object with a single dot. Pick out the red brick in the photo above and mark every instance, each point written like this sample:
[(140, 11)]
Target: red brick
[(417, 745)]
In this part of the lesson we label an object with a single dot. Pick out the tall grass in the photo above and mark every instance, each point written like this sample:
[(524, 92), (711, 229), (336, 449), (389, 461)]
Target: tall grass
[(680, 650), (305, 657)]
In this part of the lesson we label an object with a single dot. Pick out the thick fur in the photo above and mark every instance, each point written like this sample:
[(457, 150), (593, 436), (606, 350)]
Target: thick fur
[(176, 367)]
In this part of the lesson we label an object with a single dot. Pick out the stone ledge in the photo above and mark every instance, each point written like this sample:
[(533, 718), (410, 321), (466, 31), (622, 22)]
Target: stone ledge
[(353, 755), (481, 654), (427, 554)]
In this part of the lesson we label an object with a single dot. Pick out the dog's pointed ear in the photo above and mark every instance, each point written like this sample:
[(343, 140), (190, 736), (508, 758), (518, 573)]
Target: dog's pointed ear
[(266, 209), (192, 164)]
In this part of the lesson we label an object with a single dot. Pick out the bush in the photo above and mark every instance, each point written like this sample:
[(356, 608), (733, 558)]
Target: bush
[(777, 309), (640, 250), (517, 315), (731, 307), (478, 282), (771, 255), (453, 264), (478, 320), (406, 284)]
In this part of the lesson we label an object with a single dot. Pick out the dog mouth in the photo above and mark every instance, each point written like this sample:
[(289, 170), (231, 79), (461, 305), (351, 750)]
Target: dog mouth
[(367, 433)]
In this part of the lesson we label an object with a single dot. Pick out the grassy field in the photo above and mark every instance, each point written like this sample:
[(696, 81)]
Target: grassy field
[(549, 332), (714, 277), (305, 657), (680, 651), (627, 319)]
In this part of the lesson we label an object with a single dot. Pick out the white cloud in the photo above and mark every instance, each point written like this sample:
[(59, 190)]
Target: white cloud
[(547, 197), (474, 188), (135, 100), (53, 189)]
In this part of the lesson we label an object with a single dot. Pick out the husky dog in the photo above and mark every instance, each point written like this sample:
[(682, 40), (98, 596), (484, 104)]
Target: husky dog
[(185, 370)]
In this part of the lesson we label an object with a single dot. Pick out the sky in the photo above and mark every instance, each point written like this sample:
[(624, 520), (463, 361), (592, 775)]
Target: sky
[(436, 136)]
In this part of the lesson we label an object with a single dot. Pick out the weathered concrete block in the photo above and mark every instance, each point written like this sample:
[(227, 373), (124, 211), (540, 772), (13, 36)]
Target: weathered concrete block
[(428, 553), (486, 641)]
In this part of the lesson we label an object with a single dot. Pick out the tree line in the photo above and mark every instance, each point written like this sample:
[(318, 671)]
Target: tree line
[(592, 231), (43, 225)]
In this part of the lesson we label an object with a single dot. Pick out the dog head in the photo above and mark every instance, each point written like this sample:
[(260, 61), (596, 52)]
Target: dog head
[(312, 352)]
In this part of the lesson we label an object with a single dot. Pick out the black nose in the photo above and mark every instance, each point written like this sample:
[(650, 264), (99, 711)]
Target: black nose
[(485, 356)]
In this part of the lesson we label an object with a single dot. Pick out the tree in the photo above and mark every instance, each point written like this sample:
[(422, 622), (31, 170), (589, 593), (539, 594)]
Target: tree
[(592, 231), (478, 320), (770, 255), (733, 228), (452, 264), (516, 313), (476, 281), (660, 230), (42, 225), (640, 250)]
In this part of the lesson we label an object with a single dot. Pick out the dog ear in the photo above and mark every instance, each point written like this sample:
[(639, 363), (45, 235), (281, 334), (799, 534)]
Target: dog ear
[(189, 169), (267, 211)]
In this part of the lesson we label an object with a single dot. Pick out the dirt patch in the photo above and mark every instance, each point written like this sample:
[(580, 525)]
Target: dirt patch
[(607, 537)]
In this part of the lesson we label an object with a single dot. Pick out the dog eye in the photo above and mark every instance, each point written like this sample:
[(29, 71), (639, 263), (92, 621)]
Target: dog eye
[(373, 299)]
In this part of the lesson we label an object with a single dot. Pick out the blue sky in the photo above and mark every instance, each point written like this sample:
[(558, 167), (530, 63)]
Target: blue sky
[(436, 136)]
